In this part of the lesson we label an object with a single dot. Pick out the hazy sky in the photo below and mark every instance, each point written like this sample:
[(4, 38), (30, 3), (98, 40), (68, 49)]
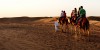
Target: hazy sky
[(14, 8)]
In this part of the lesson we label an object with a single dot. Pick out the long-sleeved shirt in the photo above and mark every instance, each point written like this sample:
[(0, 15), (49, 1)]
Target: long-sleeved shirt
[(82, 12), (62, 14)]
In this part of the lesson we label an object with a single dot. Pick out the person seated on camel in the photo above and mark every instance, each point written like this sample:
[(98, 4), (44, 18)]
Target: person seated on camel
[(75, 12), (72, 14), (82, 13), (63, 15), (78, 12)]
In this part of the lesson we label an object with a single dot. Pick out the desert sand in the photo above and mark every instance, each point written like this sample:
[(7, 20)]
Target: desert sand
[(38, 34)]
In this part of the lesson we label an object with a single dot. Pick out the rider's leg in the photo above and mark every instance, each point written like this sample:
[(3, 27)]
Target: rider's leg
[(78, 19)]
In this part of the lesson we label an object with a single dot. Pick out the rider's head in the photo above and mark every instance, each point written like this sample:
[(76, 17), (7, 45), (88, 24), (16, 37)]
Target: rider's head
[(81, 7), (75, 9), (62, 11)]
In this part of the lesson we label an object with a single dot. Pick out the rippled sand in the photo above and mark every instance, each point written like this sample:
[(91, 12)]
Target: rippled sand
[(40, 35)]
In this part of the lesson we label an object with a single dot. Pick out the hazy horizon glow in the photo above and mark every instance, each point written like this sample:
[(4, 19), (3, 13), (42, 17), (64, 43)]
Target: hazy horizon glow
[(37, 8)]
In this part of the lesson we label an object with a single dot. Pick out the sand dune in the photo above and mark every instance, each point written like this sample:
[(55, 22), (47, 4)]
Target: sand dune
[(38, 34)]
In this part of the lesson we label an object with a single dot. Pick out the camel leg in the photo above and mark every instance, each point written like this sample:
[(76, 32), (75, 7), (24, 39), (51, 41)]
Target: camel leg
[(67, 28), (76, 35), (83, 32), (79, 31), (62, 28), (71, 28), (75, 29), (88, 35), (88, 32)]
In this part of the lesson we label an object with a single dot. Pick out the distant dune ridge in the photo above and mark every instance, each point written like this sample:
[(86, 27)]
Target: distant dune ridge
[(20, 19), (25, 18), (97, 18)]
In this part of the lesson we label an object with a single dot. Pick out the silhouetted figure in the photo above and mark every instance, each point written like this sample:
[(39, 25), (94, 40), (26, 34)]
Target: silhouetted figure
[(82, 14), (79, 12), (75, 12), (64, 14), (72, 14)]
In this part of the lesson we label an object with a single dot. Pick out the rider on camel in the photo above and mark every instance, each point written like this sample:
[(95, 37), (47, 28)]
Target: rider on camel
[(78, 12), (75, 9), (63, 15), (72, 14), (82, 13)]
